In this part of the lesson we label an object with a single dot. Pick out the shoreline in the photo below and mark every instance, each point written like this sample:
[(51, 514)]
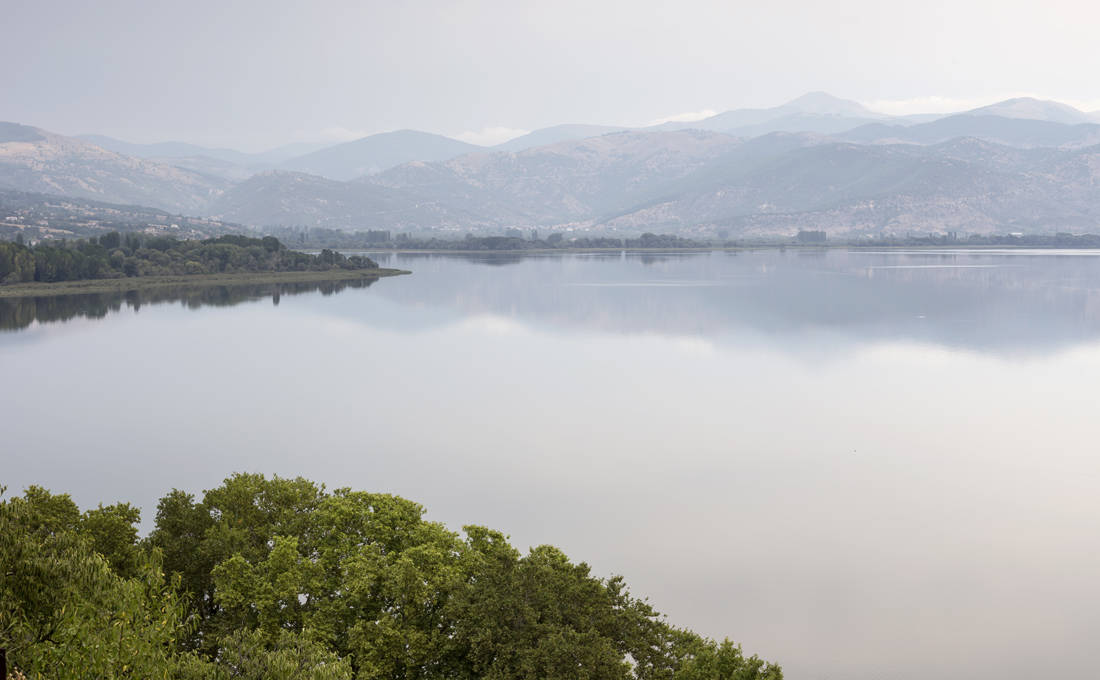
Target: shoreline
[(705, 249), (40, 289)]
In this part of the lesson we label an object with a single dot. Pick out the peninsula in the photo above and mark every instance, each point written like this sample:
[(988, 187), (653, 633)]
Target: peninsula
[(117, 262)]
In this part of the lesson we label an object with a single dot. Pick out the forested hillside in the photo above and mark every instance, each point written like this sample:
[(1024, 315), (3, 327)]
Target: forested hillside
[(1022, 166), (281, 578)]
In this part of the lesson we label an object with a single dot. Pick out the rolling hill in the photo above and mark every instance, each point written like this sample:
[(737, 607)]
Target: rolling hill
[(38, 161), (377, 153)]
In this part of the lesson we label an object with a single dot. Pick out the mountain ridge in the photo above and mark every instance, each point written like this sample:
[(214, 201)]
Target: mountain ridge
[(699, 183), (45, 162), (1034, 109), (971, 171), (817, 112)]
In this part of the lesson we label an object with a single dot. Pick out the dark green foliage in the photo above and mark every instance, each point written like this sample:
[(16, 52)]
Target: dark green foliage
[(17, 263), (65, 614), (111, 241), (113, 256), (113, 532), (279, 578)]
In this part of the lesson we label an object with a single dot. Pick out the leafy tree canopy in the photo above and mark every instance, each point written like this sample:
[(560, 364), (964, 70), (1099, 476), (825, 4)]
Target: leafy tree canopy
[(281, 578), (114, 255)]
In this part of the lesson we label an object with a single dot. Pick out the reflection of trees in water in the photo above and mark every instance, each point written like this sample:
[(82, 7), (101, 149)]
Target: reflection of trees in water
[(18, 313), (494, 259), (657, 258), (499, 259), (490, 258)]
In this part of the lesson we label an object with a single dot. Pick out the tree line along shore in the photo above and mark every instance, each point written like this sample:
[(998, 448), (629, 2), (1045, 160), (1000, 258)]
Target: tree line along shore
[(116, 256), (516, 240)]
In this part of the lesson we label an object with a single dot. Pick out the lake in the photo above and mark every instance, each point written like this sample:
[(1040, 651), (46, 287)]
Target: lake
[(860, 464)]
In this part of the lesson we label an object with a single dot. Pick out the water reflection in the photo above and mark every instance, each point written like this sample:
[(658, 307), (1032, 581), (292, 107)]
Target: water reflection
[(903, 509), (1030, 301), (22, 312), (1001, 301), (487, 258)]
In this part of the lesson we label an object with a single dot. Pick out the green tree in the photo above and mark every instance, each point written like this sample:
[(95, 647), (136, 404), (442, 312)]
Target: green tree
[(368, 576), (538, 616), (276, 578), (697, 658), (65, 614), (114, 534), (111, 241), (241, 517)]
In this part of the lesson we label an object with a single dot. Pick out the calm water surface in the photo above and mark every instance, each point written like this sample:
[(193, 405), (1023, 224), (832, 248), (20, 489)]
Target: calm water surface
[(859, 464)]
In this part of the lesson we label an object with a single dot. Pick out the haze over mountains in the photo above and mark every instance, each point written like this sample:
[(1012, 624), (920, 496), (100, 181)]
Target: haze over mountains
[(815, 162), (39, 161)]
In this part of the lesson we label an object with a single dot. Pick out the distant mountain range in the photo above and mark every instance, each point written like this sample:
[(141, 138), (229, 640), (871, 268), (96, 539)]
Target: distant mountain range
[(696, 182), (566, 182), (1019, 132), (815, 162), (816, 112)]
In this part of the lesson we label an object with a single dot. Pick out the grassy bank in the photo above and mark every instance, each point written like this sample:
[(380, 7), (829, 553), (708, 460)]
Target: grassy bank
[(147, 282)]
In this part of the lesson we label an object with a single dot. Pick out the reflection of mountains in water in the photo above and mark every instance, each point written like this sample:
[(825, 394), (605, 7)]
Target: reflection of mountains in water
[(488, 258), (18, 313), (506, 258), (985, 300)]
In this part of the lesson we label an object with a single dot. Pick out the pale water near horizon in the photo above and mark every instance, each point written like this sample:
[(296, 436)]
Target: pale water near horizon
[(858, 464)]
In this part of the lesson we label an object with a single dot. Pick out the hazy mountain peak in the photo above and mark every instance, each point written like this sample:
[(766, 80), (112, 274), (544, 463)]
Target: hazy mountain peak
[(1034, 109), (378, 152), (818, 112), (555, 134), (403, 132), (823, 103), (15, 132)]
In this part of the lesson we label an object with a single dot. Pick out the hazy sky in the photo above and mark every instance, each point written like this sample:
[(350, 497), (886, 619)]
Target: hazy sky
[(255, 74)]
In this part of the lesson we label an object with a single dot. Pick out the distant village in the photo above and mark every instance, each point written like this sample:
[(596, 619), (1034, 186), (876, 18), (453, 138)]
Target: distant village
[(36, 217)]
